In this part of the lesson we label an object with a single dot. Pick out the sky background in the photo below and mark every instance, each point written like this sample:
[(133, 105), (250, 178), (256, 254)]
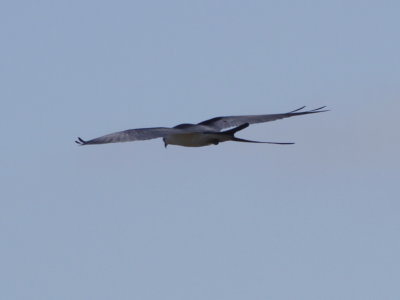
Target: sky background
[(316, 220)]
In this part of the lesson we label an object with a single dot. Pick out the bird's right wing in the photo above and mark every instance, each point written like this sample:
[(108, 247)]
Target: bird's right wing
[(220, 123), (130, 135)]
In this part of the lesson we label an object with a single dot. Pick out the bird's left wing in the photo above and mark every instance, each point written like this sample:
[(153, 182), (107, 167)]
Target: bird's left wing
[(130, 135), (220, 123)]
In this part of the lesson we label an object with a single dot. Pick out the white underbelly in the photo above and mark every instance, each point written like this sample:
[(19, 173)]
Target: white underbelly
[(194, 139)]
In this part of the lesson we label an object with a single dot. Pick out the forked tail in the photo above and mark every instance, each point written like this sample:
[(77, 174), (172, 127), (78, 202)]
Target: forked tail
[(232, 132)]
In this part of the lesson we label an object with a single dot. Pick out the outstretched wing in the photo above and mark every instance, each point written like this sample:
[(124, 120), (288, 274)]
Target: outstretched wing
[(130, 135), (220, 123)]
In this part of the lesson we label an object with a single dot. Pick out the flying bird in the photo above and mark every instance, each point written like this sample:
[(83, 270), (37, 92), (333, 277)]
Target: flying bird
[(205, 133)]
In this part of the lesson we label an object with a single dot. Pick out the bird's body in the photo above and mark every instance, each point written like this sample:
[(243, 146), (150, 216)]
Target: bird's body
[(205, 133), (196, 136), (192, 139)]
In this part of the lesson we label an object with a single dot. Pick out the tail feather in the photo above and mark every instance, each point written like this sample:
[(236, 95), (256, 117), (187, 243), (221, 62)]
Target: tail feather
[(236, 129), (235, 139), (232, 132)]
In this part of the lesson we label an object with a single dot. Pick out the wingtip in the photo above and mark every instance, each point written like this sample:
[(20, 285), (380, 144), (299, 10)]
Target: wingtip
[(80, 142), (298, 109), (320, 109), (315, 110)]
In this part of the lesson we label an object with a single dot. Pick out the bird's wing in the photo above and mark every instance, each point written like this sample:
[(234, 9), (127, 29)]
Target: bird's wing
[(130, 135), (220, 123)]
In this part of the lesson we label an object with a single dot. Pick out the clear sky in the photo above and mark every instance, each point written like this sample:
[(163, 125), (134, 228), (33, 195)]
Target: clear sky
[(315, 220)]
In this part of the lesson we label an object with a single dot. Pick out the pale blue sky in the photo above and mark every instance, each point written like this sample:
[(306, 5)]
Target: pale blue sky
[(316, 220)]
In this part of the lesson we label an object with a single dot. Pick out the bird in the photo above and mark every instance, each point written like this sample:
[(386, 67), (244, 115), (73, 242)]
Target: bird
[(205, 133)]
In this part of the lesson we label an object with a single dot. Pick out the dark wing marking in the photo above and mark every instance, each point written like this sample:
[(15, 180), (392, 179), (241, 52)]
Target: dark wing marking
[(130, 135), (220, 123)]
